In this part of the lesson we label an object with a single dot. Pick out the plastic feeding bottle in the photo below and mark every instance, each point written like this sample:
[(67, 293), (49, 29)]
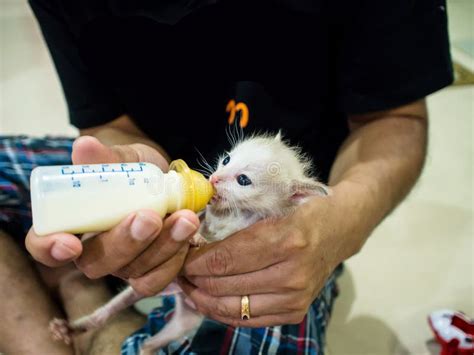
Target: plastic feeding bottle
[(94, 198)]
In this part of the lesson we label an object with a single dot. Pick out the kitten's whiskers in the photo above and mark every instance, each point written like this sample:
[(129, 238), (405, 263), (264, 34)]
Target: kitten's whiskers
[(204, 164)]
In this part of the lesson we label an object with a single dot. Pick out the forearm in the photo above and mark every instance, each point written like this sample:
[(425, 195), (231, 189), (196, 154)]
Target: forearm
[(116, 136), (123, 131), (374, 170)]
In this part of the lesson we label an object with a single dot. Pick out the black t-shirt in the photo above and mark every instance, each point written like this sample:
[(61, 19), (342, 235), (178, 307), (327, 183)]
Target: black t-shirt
[(186, 71)]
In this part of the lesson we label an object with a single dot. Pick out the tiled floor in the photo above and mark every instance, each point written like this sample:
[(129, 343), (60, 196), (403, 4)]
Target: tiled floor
[(418, 260)]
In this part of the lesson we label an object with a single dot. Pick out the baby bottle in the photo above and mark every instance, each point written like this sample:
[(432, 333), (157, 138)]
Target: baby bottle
[(94, 198)]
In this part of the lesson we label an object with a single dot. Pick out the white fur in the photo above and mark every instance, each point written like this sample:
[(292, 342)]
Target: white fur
[(280, 181)]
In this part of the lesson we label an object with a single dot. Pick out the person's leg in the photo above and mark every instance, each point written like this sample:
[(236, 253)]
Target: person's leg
[(26, 305), (82, 296), (65, 330), (25, 302)]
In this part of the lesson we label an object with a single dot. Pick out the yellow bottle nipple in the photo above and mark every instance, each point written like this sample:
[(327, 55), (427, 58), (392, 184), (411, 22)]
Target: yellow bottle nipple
[(197, 190)]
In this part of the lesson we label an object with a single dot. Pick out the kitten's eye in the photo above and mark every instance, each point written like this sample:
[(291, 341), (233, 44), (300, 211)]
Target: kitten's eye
[(226, 160), (243, 180)]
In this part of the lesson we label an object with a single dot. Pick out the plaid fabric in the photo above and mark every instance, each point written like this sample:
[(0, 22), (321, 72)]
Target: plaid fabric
[(20, 155), (212, 337)]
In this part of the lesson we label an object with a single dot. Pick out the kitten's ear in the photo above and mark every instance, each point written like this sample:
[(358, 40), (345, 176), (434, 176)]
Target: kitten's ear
[(278, 136), (301, 190)]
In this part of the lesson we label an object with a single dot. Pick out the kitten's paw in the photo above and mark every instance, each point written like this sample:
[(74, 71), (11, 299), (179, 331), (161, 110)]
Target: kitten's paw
[(60, 330), (197, 240)]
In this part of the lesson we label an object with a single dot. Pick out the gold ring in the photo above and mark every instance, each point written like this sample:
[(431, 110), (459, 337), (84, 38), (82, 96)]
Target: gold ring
[(245, 308)]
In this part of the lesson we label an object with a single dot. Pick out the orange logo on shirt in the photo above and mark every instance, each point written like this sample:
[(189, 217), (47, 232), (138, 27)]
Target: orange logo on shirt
[(240, 108)]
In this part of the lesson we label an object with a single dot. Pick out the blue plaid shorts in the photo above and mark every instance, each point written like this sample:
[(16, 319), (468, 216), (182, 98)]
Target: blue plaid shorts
[(213, 337), (20, 155)]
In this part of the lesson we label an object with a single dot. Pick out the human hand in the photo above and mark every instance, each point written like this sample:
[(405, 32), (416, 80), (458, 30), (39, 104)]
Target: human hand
[(281, 264), (143, 248)]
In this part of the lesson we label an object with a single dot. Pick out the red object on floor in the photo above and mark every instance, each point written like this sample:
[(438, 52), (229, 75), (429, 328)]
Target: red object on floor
[(454, 331)]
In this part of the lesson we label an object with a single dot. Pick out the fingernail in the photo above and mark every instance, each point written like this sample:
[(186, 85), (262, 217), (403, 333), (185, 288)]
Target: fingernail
[(62, 252), (182, 229), (143, 227)]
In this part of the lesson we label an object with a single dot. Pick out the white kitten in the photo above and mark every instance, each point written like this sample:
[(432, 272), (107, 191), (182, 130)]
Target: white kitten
[(261, 177)]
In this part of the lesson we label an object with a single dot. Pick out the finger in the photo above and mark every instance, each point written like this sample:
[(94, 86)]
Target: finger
[(251, 249), (177, 230), (89, 150), (157, 279), (230, 307), (53, 250), (274, 279), (263, 321), (107, 252)]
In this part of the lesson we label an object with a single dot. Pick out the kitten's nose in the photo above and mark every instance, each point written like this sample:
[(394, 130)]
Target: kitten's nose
[(214, 180)]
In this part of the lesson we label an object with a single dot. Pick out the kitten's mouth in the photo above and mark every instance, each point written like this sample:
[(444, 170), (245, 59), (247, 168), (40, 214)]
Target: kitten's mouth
[(217, 198)]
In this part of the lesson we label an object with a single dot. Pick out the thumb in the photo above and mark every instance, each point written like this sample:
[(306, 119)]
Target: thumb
[(89, 150)]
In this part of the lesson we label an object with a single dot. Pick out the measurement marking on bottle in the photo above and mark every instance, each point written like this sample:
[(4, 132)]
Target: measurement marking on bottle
[(87, 169), (103, 168)]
